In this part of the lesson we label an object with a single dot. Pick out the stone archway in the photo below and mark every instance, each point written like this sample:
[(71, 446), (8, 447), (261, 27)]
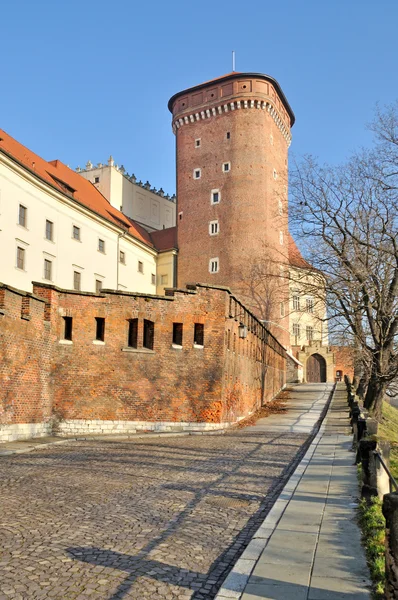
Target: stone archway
[(316, 369)]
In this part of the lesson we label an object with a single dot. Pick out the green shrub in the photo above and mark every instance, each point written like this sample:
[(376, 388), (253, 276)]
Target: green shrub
[(373, 527)]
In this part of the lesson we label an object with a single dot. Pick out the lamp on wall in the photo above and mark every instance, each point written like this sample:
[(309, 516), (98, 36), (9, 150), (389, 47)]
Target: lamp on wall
[(242, 331)]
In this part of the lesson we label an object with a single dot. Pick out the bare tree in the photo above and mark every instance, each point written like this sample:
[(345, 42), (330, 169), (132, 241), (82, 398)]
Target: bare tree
[(348, 216)]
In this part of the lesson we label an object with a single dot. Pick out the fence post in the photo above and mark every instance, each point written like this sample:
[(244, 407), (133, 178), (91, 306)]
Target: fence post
[(375, 480), (390, 512)]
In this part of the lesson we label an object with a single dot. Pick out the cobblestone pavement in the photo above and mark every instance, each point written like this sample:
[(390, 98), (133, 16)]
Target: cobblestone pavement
[(160, 518)]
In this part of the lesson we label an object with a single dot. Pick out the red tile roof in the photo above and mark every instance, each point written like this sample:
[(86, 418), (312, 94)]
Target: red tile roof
[(165, 239), (295, 257), (71, 184)]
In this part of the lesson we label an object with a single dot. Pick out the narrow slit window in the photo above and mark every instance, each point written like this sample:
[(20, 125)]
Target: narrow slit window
[(177, 334), (197, 143), (228, 135), (226, 167), (68, 328), (101, 246), (98, 286), (77, 280), (149, 334), (133, 333), (20, 258), (100, 329), (47, 269), (215, 197), (49, 230), (198, 334), (197, 174), (22, 220)]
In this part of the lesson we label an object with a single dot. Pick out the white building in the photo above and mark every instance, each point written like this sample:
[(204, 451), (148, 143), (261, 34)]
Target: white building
[(149, 207), (56, 227)]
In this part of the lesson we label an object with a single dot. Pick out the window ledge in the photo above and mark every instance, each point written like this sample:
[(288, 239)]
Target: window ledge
[(66, 342), (199, 346), (26, 317), (176, 346), (139, 350), (98, 342)]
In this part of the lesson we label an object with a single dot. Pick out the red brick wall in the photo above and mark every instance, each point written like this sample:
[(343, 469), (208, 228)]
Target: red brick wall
[(344, 360), (25, 351)]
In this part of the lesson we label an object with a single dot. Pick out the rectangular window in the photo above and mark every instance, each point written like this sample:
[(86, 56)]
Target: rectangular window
[(164, 279), (213, 265), (133, 333), (282, 309), (140, 267), (49, 230), (177, 334), (77, 278), (100, 329), (20, 258), (228, 135), (198, 334), (76, 233), (98, 286), (197, 143), (296, 329), (96, 179), (67, 328), (153, 279), (149, 334), (101, 246), (122, 257), (215, 196), (22, 216), (213, 228), (310, 332), (47, 269), (226, 167), (296, 302), (310, 305), (196, 174)]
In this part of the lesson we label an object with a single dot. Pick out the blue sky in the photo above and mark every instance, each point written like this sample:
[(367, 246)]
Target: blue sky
[(81, 80)]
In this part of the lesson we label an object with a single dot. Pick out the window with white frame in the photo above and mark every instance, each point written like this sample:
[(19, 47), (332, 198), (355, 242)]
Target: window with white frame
[(49, 230), (214, 265), (122, 257), (310, 305), (214, 228), (76, 233), (77, 280), (296, 330), (309, 332), (296, 302), (47, 269), (23, 216), (280, 207), (197, 143), (281, 238), (20, 258), (226, 167), (215, 196), (282, 307), (101, 246), (197, 173), (275, 174)]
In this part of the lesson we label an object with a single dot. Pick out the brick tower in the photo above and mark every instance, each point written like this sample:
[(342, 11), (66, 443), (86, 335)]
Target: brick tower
[(232, 138)]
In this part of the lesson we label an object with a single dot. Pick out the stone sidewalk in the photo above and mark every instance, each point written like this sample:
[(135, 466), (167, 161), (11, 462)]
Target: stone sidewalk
[(309, 547)]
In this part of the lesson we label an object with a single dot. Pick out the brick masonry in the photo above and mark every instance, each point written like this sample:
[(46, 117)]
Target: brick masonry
[(89, 386)]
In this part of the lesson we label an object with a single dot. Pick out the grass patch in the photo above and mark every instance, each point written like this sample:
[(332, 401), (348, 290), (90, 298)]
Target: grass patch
[(373, 527), (388, 428)]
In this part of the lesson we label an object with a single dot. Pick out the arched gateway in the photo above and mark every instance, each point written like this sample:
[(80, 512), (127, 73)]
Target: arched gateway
[(316, 369)]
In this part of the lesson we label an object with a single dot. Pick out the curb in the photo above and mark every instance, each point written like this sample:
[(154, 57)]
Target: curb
[(237, 579)]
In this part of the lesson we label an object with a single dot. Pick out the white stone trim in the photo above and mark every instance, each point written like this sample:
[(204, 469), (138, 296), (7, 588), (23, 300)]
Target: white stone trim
[(23, 431), (237, 104), (100, 426)]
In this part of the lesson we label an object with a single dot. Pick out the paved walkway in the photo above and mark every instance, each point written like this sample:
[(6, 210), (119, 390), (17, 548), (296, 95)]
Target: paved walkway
[(157, 518), (308, 547)]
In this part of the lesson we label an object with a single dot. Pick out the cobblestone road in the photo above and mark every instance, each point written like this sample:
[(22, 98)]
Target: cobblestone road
[(162, 518)]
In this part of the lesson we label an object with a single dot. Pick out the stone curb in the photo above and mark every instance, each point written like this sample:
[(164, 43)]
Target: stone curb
[(103, 438), (236, 581)]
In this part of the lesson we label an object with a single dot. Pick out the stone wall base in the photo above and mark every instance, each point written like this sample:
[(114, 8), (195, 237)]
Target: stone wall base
[(102, 427), (23, 431)]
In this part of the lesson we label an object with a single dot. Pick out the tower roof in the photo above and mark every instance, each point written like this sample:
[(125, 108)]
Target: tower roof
[(237, 75)]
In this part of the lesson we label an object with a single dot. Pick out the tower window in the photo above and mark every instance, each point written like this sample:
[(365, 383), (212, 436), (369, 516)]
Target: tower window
[(133, 333), (197, 143), (226, 167), (177, 334), (67, 328), (310, 332), (198, 334), (100, 329), (228, 135), (215, 196), (180, 216), (213, 228), (214, 265), (149, 334), (197, 173), (296, 329)]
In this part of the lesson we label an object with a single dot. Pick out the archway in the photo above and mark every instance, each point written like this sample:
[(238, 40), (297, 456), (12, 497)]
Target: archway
[(316, 369)]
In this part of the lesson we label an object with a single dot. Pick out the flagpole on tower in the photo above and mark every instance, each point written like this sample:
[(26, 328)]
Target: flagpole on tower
[(233, 60)]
